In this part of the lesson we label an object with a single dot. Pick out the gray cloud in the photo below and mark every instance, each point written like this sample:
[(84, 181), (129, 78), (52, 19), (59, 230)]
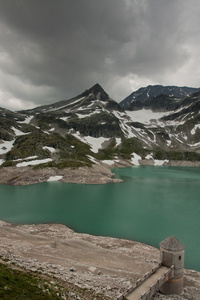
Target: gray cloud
[(53, 50)]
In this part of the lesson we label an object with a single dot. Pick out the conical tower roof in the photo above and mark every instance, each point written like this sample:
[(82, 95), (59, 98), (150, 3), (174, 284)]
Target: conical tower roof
[(172, 243)]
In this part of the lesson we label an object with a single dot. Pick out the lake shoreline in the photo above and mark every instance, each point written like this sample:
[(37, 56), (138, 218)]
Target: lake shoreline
[(103, 264), (97, 174)]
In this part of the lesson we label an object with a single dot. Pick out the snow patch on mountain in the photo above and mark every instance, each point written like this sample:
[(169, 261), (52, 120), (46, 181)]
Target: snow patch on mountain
[(33, 162), (108, 162), (62, 118), (27, 120), (149, 156), (174, 123), (70, 102), (82, 116), (193, 131), (169, 143), (158, 162), (26, 158), (95, 143), (6, 146), (127, 130), (55, 178), (135, 159), (120, 115), (1, 161), (92, 159), (50, 149), (194, 145), (18, 132), (118, 141)]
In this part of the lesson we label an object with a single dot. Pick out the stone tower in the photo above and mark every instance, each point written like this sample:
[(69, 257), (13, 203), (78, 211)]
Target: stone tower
[(172, 253)]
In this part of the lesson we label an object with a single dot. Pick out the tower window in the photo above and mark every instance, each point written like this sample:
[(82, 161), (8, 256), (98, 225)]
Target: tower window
[(179, 257)]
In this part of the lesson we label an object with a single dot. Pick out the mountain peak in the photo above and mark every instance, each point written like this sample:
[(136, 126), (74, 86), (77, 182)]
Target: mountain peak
[(97, 91), (97, 86)]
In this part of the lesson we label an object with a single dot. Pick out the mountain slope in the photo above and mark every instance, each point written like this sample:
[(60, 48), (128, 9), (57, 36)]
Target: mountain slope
[(147, 96), (174, 123), (92, 128), (73, 132)]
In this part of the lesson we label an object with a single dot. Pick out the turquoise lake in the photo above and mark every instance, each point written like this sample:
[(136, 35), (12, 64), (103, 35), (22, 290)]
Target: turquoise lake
[(150, 204)]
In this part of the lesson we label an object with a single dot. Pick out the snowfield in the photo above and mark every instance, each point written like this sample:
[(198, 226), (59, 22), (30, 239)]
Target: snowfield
[(95, 143), (145, 115)]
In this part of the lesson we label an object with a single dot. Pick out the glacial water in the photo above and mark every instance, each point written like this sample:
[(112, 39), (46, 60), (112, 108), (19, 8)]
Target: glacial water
[(150, 204)]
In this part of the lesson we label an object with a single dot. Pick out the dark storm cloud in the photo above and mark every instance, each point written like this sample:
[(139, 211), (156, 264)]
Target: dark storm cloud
[(52, 50)]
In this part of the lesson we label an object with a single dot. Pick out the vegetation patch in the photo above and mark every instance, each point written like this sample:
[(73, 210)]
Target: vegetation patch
[(128, 146), (24, 285), (26, 146), (73, 164), (16, 284), (108, 153), (9, 163), (176, 155), (69, 151), (97, 125)]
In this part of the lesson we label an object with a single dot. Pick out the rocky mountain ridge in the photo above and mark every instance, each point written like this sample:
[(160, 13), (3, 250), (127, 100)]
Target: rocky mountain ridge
[(92, 128), (148, 97)]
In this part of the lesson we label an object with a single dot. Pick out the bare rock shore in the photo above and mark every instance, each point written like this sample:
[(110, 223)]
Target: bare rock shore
[(107, 266), (97, 174)]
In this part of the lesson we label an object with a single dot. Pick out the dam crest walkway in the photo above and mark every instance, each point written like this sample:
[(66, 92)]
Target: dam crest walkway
[(146, 287)]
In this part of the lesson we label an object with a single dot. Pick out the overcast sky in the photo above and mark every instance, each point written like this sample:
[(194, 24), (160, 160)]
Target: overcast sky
[(51, 50)]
